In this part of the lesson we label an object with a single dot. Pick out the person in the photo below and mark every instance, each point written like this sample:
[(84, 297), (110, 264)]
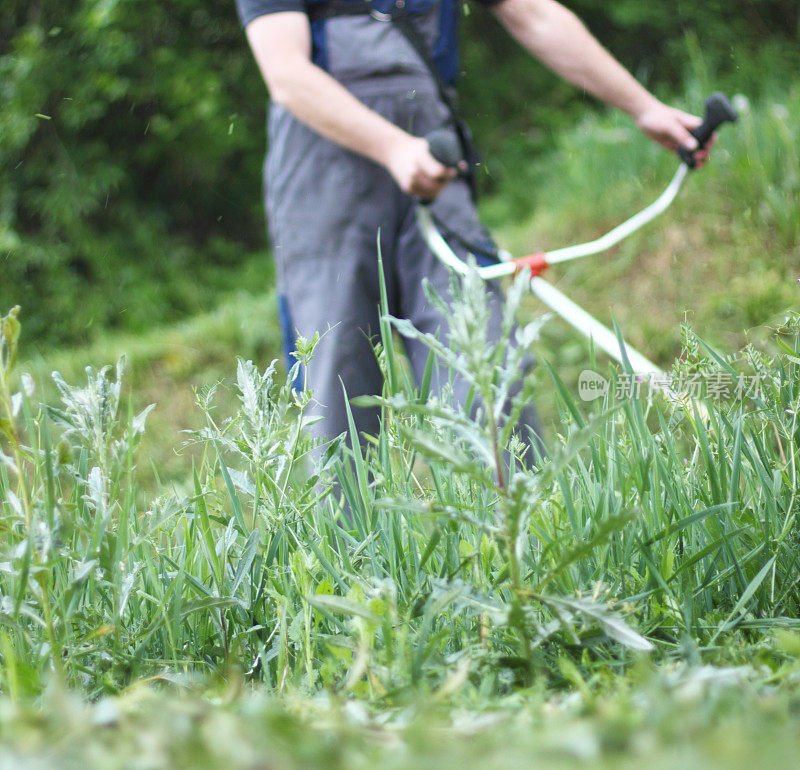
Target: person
[(352, 99)]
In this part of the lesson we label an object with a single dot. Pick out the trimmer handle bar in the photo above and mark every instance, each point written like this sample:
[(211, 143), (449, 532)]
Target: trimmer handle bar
[(445, 147)]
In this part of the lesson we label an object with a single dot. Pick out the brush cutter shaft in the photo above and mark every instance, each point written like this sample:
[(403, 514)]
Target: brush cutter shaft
[(606, 340), (601, 335)]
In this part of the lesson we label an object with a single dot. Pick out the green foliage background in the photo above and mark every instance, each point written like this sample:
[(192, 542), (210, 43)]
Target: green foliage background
[(130, 141), (131, 138)]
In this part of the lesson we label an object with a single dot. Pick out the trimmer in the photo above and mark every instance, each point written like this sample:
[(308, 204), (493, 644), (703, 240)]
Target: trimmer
[(445, 147)]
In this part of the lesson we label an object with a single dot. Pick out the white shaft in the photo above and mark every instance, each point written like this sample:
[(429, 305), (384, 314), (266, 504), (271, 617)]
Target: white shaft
[(605, 339), (601, 335)]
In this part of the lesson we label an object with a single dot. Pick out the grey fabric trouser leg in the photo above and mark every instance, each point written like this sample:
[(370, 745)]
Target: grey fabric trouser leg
[(325, 208)]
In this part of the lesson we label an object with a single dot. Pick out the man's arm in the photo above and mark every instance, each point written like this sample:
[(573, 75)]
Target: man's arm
[(555, 36), (281, 43)]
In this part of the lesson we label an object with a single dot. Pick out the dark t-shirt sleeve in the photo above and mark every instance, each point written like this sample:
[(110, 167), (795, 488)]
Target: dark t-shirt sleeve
[(252, 9)]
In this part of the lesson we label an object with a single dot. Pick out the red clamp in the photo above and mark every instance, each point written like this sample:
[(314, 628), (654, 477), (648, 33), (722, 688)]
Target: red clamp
[(536, 263)]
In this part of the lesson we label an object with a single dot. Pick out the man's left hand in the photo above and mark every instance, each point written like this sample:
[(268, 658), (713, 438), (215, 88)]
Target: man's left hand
[(670, 128)]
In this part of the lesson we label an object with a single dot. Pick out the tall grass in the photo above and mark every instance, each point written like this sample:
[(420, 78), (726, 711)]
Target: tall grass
[(430, 558)]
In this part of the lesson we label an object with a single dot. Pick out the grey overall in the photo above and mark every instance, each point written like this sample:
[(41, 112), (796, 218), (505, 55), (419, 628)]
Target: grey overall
[(326, 207)]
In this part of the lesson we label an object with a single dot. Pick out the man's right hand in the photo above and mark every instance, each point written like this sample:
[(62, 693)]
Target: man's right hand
[(414, 168)]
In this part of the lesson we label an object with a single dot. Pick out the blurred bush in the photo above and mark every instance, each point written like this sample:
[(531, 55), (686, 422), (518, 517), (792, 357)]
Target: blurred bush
[(131, 137)]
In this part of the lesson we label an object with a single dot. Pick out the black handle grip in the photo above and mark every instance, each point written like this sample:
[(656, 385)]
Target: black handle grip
[(718, 111), (445, 147)]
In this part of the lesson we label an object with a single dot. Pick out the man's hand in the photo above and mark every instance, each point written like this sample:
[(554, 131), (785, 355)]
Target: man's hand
[(414, 168), (670, 128)]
